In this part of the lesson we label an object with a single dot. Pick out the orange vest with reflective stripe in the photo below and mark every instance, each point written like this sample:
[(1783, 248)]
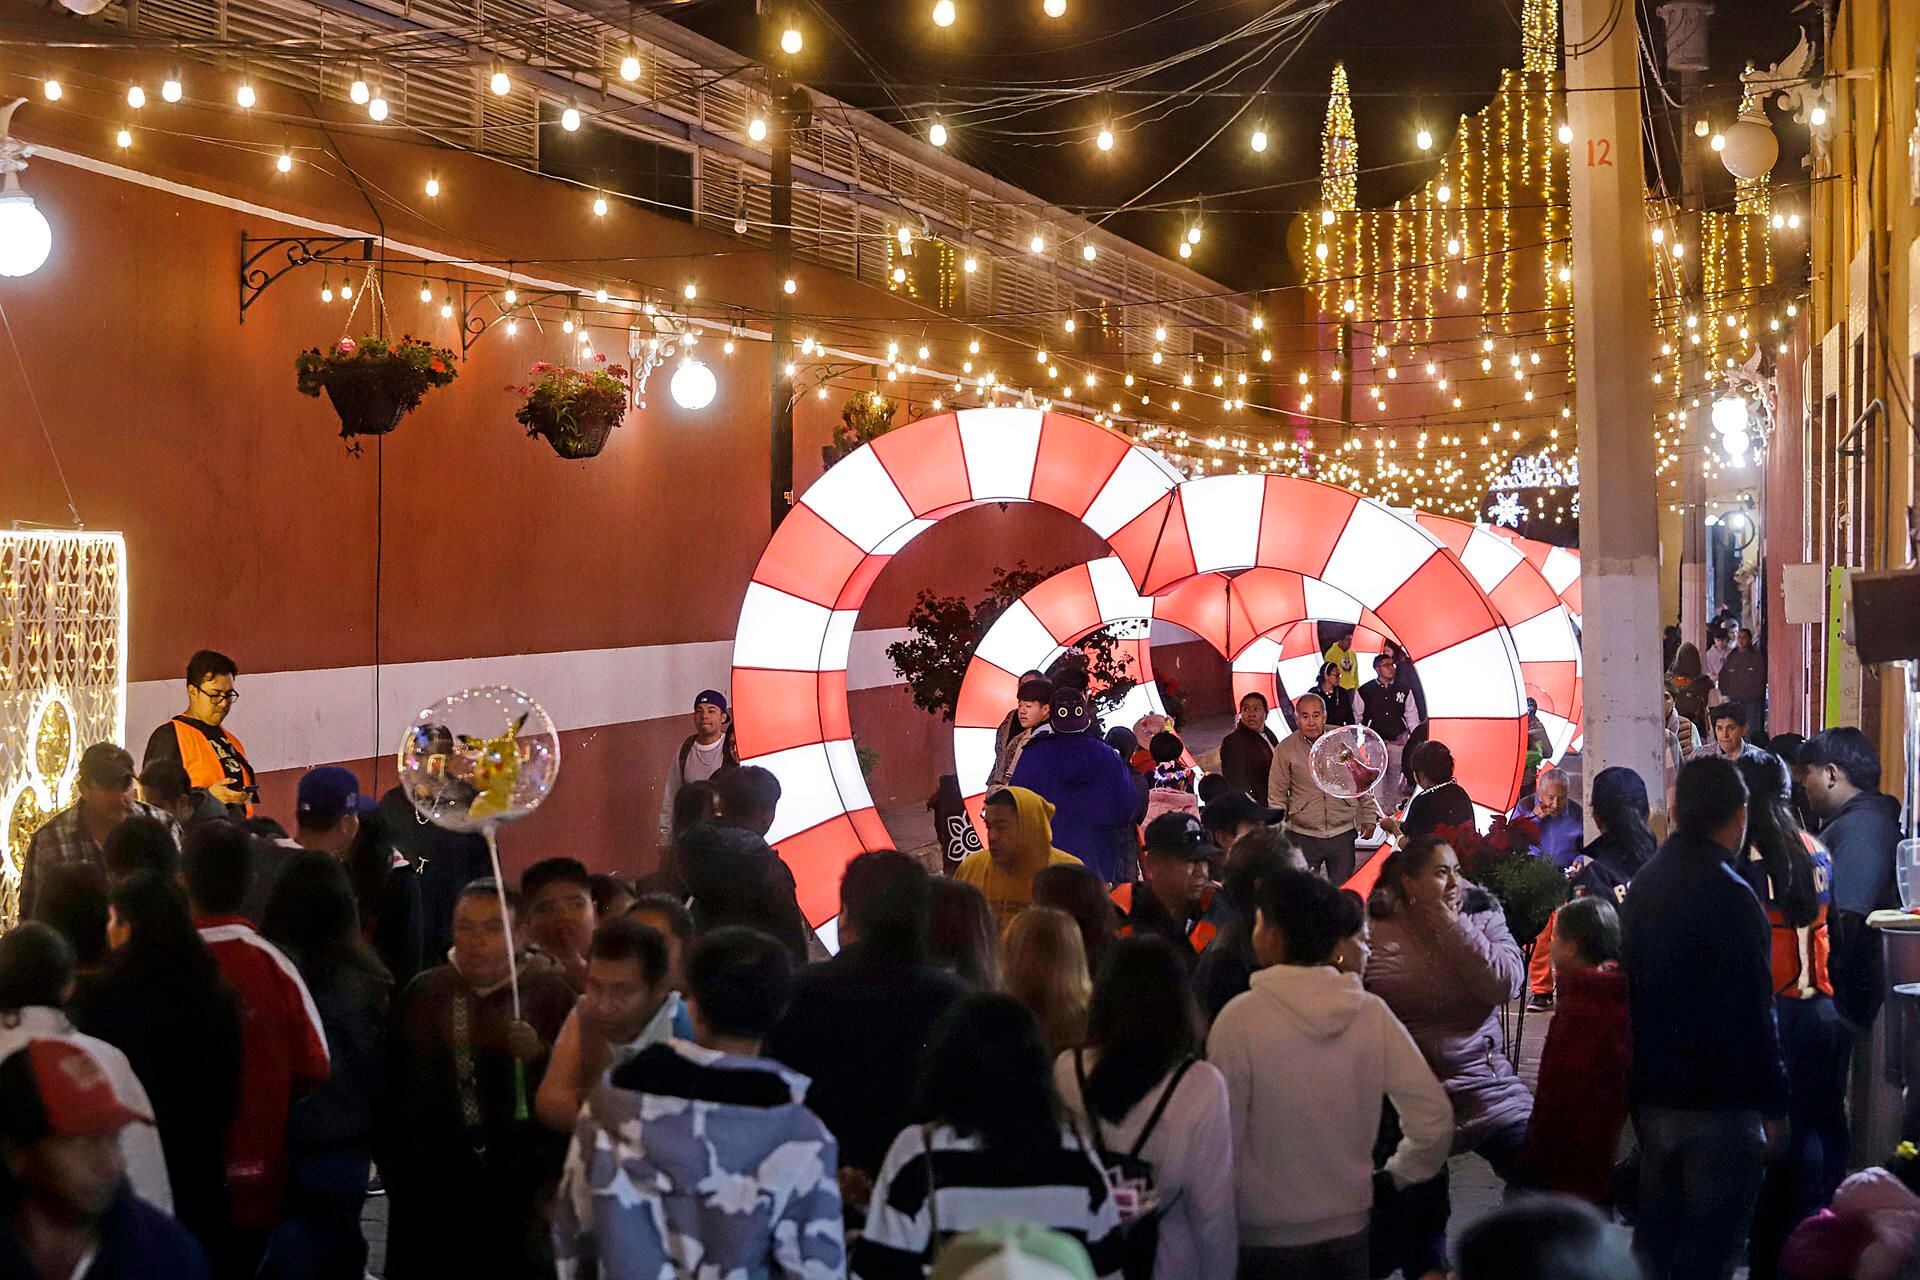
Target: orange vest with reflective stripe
[(204, 766), (1199, 934)]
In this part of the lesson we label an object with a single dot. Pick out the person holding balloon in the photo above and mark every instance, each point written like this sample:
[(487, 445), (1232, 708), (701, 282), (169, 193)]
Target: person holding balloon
[(1322, 824)]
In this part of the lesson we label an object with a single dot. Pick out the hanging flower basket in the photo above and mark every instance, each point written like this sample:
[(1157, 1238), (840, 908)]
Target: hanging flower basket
[(373, 383), (865, 416), (575, 409)]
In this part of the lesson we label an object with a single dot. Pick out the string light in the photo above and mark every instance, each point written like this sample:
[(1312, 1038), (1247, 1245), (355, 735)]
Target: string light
[(791, 41), (124, 138), (944, 13), (1258, 139), (171, 89), (789, 286), (937, 132), (757, 129), (51, 89), (246, 97), (629, 64), (1088, 252), (136, 96), (570, 118), (426, 292), (377, 108), (599, 206), (1054, 8), (433, 187), (1104, 139), (1423, 139), (498, 82), (284, 162)]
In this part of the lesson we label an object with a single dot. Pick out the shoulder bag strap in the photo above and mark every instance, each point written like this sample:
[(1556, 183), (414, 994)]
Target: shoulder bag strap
[(933, 1201), (1093, 1118), (1160, 1108)]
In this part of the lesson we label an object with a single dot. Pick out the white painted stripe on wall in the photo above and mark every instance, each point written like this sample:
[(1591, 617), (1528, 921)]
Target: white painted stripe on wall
[(298, 719)]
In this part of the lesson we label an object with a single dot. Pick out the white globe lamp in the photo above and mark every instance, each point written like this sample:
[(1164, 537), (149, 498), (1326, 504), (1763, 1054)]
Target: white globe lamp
[(25, 237), (693, 386), (1751, 149), (1729, 415)]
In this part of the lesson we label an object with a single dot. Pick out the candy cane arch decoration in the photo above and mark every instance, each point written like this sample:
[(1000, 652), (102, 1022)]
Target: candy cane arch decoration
[(797, 621), (1542, 628)]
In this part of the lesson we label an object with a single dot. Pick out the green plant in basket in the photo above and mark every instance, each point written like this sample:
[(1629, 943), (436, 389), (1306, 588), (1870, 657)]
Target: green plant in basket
[(373, 383), (575, 409)]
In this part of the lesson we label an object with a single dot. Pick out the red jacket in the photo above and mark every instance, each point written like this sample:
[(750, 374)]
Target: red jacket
[(1580, 1105), (283, 1052)]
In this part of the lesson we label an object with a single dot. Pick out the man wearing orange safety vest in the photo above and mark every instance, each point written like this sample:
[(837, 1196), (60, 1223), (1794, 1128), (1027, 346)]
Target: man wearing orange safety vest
[(1176, 899), (214, 759)]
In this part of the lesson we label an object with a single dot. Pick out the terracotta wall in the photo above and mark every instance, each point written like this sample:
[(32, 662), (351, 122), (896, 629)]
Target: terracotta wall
[(251, 529)]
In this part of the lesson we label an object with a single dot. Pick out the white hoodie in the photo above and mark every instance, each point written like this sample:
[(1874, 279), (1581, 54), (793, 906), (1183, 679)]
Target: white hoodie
[(1308, 1054)]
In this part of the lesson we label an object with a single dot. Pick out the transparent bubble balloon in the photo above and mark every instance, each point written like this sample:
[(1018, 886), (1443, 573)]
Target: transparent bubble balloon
[(478, 758), (1348, 761)]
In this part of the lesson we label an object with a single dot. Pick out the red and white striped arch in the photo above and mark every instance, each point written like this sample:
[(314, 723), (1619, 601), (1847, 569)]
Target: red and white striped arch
[(1295, 548), (1295, 665), (1543, 631), (797, 621), (1560, 566)]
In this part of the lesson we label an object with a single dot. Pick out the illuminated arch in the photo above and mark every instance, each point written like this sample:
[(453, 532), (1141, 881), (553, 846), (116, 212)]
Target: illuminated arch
[(1560, 566), (1542, 628), (797, 620)]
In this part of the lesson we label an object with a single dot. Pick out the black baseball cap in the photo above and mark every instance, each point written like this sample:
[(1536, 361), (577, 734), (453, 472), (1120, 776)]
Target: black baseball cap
[(105, 765), (1180, 835)]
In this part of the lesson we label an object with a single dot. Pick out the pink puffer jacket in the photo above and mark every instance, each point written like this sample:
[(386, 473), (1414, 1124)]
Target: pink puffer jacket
[(1447, 986)]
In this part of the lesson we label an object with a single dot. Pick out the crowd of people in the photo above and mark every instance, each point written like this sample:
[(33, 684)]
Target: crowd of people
[(1144, 1031)]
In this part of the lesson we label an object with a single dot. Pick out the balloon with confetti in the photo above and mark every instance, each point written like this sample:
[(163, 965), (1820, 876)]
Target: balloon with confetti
[(1348, 761), (478, 758)]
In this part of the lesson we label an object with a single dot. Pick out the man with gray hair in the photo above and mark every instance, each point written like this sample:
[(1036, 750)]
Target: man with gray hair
[(1562, 830), (1323, 826)]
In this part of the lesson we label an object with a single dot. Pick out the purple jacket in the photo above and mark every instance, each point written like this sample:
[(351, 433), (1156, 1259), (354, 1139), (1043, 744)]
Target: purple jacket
[(1092, 792), (1447, 987)]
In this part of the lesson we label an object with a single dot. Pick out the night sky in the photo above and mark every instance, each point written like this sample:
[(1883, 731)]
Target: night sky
[(1409, 61)]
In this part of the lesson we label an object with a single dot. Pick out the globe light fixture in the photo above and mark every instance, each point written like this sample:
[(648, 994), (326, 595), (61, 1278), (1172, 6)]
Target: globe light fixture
[(1729, 415), (26, 238), (1054, 8), (1750, 148), (944, 13), (693, 385)]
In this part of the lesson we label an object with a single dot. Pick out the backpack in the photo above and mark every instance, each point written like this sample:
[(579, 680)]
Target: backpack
[(1167, 800), (1131, 1178)]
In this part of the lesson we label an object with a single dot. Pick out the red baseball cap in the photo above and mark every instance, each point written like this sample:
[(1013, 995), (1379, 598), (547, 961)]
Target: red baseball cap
[(80, 1100)]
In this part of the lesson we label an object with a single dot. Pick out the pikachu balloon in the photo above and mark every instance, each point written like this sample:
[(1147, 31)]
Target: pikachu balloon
[(479, 757)]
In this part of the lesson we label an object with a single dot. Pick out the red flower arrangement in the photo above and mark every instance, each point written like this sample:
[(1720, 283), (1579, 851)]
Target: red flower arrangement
[(1506, 862)]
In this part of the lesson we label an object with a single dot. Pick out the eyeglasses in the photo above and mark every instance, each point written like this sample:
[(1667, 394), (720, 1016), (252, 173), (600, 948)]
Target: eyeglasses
[(230, 697)]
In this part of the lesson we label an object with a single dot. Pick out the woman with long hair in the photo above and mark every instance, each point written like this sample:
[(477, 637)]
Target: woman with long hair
[(962, 935), (1339, 698), (311, 915), (1139, 1077), (1792, 875), (990, 1145), (1445, 963), (1609, 862), (1690, 684), (1076, 890), (161, 1000), (1044, 966)]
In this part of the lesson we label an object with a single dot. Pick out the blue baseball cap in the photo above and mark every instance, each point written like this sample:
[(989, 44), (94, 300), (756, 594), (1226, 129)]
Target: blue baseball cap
[(328, 794), (712, 698)]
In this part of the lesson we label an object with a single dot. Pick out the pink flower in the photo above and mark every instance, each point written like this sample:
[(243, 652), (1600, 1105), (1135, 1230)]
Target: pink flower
[(541, 366), (599, 357), (346, 347)]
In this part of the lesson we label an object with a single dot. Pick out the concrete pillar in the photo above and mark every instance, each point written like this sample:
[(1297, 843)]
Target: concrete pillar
[(1613, 352)]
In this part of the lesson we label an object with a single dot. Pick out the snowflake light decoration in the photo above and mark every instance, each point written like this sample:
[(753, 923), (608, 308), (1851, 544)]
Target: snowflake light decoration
[(1507, 510)]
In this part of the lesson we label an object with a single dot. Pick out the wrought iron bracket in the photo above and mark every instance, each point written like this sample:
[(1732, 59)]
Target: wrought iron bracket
[(264, 259), (473, 324)]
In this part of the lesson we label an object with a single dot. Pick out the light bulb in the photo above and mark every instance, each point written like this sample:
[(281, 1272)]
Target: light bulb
[(970, 265), (246, 97), (691, 291), (791, 41), (513, 326), (1104, 139), (26, 238), (944, 13), (1088, 252), (630, 67), (1054, 8), (1037, 244), (426, 293), (599, 206), (1326, 217), (136, 96), (1460, 291), (1320, 251), (566, 325), (1259, 140), (1793, 222), (433, 188), (377, 108), (789, 286), (1453, 247), (326, 291), (124, 138), (1565, 134), (937, 134), (52, 89), (359, 92), (1193, 234), (171, 88), (284, 162), (570, 119), (1565, 274), (1186, 250), (899, 275), (1443, 193), (757, 129), (600, 294), (726, 348), (1423, 140), (499, 83), (346, 290), (1718, 142), (1818, 116)]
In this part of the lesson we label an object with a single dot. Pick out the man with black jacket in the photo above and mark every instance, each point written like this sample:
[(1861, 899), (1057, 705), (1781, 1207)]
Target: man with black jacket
[(1861, 829), (1709, 1083), (1387, 707)]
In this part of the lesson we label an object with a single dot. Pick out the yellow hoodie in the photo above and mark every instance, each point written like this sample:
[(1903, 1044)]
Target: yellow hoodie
[(1009, 888)]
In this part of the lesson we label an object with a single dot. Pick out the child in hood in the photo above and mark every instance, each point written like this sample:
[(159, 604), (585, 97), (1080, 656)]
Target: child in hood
[(1580, 1103), (1171, 785)]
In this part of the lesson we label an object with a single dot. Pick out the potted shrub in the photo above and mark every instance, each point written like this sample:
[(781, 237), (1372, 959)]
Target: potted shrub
[(575, 409), (373, 383)]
